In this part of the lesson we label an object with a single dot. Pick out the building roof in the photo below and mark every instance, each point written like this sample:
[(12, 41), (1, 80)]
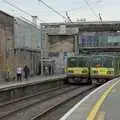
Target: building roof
[(81, 23), (6, 14)]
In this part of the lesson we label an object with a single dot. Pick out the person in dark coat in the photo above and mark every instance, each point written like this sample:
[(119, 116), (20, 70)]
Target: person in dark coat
[(49, 69), (26, 71)]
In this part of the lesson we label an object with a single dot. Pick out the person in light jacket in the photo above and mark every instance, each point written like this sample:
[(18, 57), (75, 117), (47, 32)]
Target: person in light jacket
[(19, 71)]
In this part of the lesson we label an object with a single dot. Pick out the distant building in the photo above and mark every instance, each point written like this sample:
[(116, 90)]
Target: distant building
[(66, 37)]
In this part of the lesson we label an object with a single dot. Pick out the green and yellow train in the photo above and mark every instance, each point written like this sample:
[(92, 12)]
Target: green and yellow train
[(77, 69), (104, 67), (92, 68)]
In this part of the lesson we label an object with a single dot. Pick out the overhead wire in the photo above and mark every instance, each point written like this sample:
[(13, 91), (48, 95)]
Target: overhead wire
[(54, 10), (90, 8), (98, 16), (16, 7)]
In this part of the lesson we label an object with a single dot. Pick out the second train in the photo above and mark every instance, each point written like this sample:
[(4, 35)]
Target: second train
[(97, 68)]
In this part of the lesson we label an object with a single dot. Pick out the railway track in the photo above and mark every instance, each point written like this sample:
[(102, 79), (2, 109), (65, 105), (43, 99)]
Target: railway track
[(45, 115), (31, 96), (57, 112), (12, 107), (37, 106)]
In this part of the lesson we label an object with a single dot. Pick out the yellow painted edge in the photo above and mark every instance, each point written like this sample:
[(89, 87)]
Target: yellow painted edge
[(101, 116), (97, 106)]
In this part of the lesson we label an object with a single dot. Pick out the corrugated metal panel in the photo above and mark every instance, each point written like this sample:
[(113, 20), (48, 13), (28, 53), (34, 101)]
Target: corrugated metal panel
[(26, 35)]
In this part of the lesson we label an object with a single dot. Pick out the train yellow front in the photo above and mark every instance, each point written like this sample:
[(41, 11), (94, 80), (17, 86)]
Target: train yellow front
[(77, 69), (104, 67)]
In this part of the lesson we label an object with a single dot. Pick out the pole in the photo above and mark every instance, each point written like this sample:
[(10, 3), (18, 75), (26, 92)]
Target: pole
[(76, 44), (41, 31), (42, 72)]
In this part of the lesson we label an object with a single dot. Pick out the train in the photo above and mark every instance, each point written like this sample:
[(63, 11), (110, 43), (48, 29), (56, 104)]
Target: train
[(77, 69), (97, 69), (104, 67)]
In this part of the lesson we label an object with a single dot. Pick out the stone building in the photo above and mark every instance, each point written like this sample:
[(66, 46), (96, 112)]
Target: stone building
[(6, 43), (20, 44)]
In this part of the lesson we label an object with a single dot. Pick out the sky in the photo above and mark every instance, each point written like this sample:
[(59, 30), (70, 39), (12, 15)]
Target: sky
[(77, 9)]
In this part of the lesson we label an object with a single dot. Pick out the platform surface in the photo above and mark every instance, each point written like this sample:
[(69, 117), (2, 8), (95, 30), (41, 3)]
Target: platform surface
[(101, 104)]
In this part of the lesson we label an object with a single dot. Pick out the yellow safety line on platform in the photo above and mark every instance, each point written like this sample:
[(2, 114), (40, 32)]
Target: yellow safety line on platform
[(101, 116), (97, 106)]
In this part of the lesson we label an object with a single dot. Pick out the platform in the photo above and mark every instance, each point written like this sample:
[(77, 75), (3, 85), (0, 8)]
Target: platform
[(13, 91), (101, 104), (30, 81)]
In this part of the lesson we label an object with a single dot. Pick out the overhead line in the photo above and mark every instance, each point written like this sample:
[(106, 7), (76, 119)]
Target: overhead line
[(14, 6), (90, 8), (98, 16), (52, 9)]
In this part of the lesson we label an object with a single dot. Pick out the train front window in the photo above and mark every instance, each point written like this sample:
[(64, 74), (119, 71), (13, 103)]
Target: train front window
[(102, 62), (97, 61), (72, 62), (82, 62), (108, 62)]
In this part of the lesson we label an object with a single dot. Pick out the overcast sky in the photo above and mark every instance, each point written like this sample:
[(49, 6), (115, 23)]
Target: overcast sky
[(77, 9)]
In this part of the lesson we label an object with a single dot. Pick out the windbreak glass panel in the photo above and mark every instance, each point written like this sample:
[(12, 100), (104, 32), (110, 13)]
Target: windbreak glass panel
[(72, 62), (102, 61)]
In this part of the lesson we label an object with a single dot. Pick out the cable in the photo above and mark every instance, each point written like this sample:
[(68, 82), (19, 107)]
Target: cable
[(98, 16), (52, 9), (14, 6), (90, 8)]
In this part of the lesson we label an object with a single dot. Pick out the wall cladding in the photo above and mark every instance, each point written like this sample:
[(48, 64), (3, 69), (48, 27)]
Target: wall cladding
[(6, 42), (26, 35)]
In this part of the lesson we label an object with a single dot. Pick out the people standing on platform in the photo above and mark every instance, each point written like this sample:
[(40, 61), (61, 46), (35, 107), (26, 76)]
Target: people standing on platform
[(26, 71), (19, 71)]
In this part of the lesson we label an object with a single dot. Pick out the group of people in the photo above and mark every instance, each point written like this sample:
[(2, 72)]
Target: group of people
[(20, 71)]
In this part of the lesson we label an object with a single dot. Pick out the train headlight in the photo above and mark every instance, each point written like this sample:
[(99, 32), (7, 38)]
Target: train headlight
[(70, 71), (84, 71), (95, 71), (110, 72)]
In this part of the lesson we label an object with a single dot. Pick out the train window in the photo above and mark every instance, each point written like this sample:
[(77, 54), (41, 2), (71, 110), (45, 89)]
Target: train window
[(108, 62), (72, 62), (102, 61), (97, 61), (82, 62)]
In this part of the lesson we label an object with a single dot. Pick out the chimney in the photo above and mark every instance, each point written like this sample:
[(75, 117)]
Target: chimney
[(34, 20)]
